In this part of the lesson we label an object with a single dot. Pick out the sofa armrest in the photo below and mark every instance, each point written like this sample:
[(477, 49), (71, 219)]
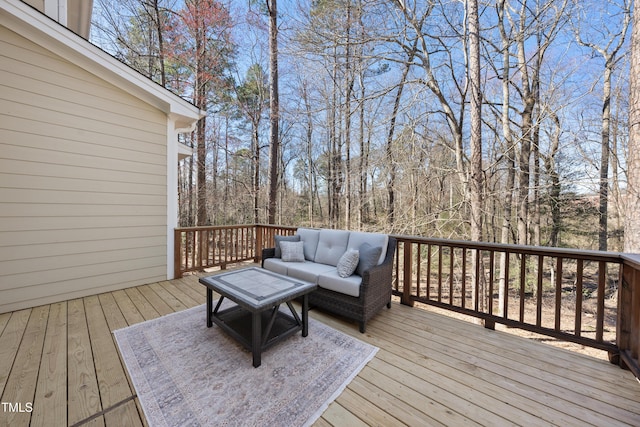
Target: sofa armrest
[(268, 253)]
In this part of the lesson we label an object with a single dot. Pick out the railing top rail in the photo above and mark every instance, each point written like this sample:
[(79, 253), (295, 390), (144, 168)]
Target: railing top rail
[(213, 227), (614, 257), (632, 260), (221, 227)]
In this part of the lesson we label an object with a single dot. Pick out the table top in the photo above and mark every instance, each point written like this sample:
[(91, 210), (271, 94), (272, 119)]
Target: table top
[(257, 288)]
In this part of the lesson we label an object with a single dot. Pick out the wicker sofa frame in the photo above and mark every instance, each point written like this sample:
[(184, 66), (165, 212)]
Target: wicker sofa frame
[(375, 291)]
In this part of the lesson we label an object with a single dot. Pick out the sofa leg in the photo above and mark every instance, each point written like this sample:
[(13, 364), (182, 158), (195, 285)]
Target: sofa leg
[(389, 304), (362, 327)]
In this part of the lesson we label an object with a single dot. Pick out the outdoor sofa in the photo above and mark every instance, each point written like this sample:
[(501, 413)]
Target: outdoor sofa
[(326, 257)]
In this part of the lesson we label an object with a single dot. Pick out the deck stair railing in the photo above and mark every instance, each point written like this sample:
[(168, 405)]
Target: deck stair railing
[(587, 297)]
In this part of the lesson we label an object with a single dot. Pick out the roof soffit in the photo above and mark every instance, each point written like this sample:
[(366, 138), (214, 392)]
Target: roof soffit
[(37, 27)]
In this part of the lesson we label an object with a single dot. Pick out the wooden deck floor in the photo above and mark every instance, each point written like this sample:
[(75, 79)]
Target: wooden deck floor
[(430, 370)]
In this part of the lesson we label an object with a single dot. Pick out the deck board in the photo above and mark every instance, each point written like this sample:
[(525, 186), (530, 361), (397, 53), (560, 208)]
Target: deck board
[(430, 370), (534, 369), (10, 342), (112, 380), (83, 393), (21, 384), (142, 304), (155, 300), (50, 401)]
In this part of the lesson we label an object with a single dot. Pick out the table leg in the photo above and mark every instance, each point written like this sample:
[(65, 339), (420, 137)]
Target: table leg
[(256, 338), (209, 307), (305, 315)]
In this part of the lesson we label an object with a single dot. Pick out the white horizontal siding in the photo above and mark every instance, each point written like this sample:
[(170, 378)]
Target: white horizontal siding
[(83, 195)]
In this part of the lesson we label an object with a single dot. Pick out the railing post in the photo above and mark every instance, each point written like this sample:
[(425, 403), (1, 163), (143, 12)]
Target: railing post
[(628, 322), (257, 255), (406, 275), (177, 254)]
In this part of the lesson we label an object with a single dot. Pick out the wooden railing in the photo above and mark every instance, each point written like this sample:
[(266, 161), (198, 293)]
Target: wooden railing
[(562, 293), (197, 248)]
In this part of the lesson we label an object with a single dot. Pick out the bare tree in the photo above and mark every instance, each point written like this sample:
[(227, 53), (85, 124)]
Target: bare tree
[(274, 109), (476, 186), (614, 32)]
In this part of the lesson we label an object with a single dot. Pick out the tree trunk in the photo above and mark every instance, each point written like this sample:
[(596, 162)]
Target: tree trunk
[(348, 83), (256, 175), (476, 122), (603, 208), (159, 27), (392, 128), (554, 176), (274, 114), (509, 153), (201, 175), (632, 217)]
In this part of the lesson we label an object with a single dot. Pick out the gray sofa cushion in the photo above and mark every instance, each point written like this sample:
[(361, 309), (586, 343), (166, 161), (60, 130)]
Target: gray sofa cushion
[(307, 271), (279, 239), (345, 285), (332, 244), (357, 238), (348, 263), (310, 239), (276, 265), (292, 251), (368, 257)]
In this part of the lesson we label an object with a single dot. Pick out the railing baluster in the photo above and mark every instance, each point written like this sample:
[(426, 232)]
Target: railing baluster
[(579, 273), (602, 279), (476, 302), (489, 298), (440, 273), (558, 308), (464, 277), (539, 291), (451, 261), (428, 271), (523, 285), (418, 265)]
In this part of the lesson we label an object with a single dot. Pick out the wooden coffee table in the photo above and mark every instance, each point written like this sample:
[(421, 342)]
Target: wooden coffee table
[(256, 320)]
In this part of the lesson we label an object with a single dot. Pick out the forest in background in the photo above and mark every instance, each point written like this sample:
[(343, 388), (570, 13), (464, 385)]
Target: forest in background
[(375, 112)]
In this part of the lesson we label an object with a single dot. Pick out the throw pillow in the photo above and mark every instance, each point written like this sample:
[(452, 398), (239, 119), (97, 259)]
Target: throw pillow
[(348, 262), (279, 239), (292, 251), (368, 257)]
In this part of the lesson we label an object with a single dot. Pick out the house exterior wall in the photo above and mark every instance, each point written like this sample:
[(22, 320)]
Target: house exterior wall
[(83, 181)]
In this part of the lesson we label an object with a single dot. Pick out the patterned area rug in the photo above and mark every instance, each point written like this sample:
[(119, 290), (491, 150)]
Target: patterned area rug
[(187, 374)]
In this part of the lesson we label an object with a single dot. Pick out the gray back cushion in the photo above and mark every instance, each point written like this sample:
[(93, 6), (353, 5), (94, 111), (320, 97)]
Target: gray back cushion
[(310, 238), (332, 244), (357, 238), (279, 239), (368, 257)]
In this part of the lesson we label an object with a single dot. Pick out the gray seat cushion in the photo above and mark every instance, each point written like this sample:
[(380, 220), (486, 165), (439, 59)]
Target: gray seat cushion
[(276, 265), (332, 244), (307, 271), (345, 285)]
